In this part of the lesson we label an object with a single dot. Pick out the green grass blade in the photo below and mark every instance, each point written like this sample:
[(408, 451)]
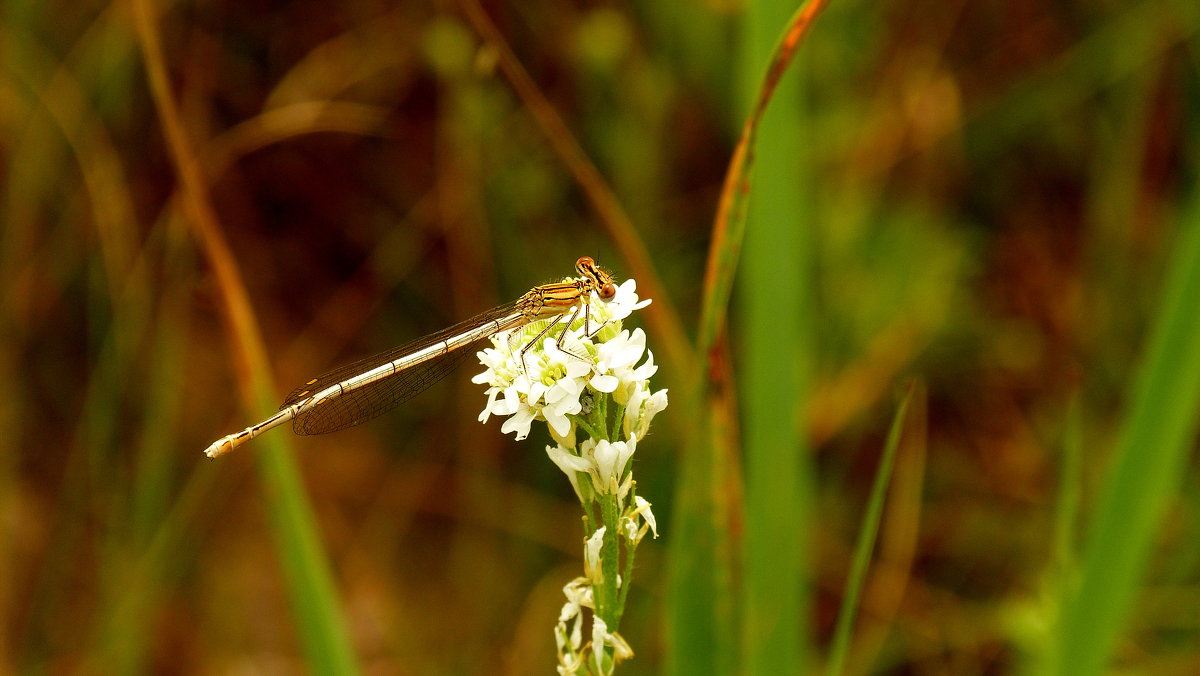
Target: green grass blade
[(866, 541), (125, 633), (1070, 492), (310, 586), (703, 607), (777, 354), (1146, 473), (311, 591)]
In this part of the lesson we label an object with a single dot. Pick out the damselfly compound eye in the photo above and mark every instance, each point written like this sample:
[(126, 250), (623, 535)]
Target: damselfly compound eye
[(608, 291)]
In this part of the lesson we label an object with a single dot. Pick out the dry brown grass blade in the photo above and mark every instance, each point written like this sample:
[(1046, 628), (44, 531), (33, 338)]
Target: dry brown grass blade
[(246, 338), (664, 319), (289, 121), (320, 629)]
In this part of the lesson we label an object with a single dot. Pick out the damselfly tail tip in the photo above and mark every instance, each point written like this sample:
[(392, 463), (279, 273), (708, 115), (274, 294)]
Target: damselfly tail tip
[(220, 446)]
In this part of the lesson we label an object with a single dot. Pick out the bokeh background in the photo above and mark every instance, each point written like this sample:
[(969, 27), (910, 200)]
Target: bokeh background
[(983, 200)]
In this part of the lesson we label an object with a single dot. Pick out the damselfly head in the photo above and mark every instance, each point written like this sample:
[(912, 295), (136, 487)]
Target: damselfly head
[(601, 280)]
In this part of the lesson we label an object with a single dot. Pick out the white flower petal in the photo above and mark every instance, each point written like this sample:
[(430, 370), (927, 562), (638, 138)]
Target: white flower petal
[(599, 633), (621, 649), (633, 411), (511, 403), (657, 402), (561, 424), (643, 509), (647, 369), (566, 440), (519, 423), (487, 408), (625, 301), (567, 461), (607, 455), (610, 459), (624, 453), (606, 384), (577, 368), (534, 395), (569, 610), (591, 555), (567, 406)]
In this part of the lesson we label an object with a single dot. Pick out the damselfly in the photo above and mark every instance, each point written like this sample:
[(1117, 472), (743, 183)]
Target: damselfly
[(357, 392)]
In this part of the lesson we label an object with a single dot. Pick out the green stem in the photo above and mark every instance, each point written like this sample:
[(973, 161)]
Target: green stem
[(618, 419), (610, 553), (626, 577), (600, 414), (586, 424), (587, 500), (630, 550)]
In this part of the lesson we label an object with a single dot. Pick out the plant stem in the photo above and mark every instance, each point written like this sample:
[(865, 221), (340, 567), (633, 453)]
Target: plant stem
[(600, 410), (587, 426), (618, 419), (610, 561), (626, 576)]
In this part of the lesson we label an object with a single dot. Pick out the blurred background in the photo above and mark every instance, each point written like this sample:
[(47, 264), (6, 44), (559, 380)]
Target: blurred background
[(988, 195)]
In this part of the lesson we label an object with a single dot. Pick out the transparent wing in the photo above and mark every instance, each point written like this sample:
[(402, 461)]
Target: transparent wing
[(363, 403)]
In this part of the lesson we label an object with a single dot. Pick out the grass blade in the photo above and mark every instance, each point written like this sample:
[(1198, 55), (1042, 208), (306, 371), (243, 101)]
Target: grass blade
[(310, 582), (866, 541), (702, 614), (1070, 492), (778, 354), (729, 227), (702, 604), (310, 585), (1146, 473)]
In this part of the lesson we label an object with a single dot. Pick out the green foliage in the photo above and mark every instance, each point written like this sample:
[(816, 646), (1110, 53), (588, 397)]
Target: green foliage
[(1147, 471)]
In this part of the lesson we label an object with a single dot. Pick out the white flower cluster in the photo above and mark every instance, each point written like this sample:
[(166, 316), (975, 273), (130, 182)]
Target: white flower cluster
[(585, 376), (549, 381), (568, 635)]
